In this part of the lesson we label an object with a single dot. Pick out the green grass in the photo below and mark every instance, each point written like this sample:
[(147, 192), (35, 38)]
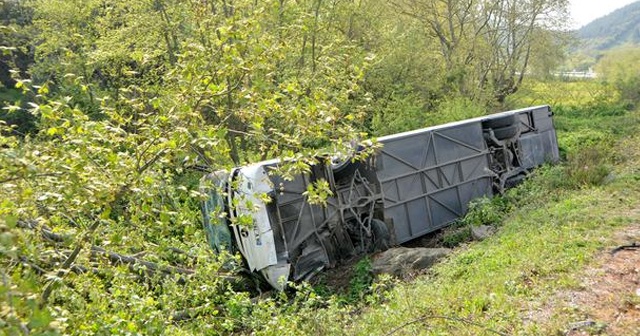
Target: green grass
[(493, 283), (579, 93)]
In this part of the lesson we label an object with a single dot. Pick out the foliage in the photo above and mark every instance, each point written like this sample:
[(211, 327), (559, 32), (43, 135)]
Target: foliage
[(12, 114), (579, 95), (16, 53), (228, 63), (486, 46), (487, 211), (361, 281), (100, 203), (620, 67), (16, 56), (455, 236), (455, 109), (588, 166), (397, 118), (400, 113), (451, 51), (482, 212)]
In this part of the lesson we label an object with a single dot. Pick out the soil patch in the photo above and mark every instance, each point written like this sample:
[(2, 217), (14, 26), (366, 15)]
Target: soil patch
[(608, 302), (338, 278)]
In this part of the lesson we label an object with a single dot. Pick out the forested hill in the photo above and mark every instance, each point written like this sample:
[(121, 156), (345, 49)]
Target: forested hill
[(615, 29)]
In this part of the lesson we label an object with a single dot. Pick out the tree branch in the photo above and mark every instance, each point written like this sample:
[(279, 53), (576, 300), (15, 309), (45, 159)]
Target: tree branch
[(442, 317), (15, 178), (67, 264)]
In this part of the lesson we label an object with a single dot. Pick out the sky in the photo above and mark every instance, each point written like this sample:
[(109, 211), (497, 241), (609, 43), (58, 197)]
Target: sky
[(585, 11)]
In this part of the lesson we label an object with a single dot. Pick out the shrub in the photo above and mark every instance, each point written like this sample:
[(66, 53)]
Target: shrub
[(486, 211), (454, 109), (483, 211), (455, 236), (589, 166), (361, 281), (574, 142)]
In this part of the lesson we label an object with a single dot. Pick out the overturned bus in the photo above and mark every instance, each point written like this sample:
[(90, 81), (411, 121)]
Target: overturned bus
[(419, 182)]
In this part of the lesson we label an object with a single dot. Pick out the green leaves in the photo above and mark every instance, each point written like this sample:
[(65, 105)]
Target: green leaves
[(318, 192), (129, 97)]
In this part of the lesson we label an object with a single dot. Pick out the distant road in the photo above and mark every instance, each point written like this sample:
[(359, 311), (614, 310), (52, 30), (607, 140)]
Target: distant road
[(576, 74)]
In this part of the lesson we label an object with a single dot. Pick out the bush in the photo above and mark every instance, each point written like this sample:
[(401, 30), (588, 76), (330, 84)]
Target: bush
[(486, 211), (455, 236), (361, 281), (398, 114), (454, 109), (621, 68), (574, 142), (405, 113), (584, 167), (483, 211), (589, 166)]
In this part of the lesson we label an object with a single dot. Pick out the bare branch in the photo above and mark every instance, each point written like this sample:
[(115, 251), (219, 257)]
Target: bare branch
[(442, 317)]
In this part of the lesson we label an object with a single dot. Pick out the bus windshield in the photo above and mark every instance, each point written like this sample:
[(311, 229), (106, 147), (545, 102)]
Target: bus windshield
[(213, 212)]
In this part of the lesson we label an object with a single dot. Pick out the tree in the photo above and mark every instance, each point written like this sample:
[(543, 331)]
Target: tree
[(16, 55), (486, 45), (620, 68), (15, 51), (100, 206)]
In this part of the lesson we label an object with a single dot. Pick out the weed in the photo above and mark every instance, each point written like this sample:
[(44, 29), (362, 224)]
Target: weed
[(455, 236), (487, 211), (361, 281), (483, 211), (587, 167)]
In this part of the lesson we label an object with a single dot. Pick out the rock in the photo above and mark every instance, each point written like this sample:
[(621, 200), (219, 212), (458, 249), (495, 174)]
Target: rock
[(400, 261), (482, 232), (609, 178)]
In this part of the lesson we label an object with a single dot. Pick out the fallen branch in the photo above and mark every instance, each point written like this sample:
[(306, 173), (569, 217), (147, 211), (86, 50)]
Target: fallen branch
[(442, 317), (136, 265), (116, 258), (40, 270), (634, 246), (48, 289), (45, 231), (15, 178)]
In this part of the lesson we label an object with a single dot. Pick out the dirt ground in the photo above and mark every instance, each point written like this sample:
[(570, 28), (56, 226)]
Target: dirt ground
[(608, 302)]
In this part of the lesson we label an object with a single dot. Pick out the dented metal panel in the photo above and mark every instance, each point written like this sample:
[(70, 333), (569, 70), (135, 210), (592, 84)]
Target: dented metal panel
[(315, 236), (429, 177)]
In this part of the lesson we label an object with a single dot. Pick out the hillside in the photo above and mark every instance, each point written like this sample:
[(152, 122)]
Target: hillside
[(613, 30)]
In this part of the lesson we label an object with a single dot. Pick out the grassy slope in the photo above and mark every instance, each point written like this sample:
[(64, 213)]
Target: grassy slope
[(503, 284)]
